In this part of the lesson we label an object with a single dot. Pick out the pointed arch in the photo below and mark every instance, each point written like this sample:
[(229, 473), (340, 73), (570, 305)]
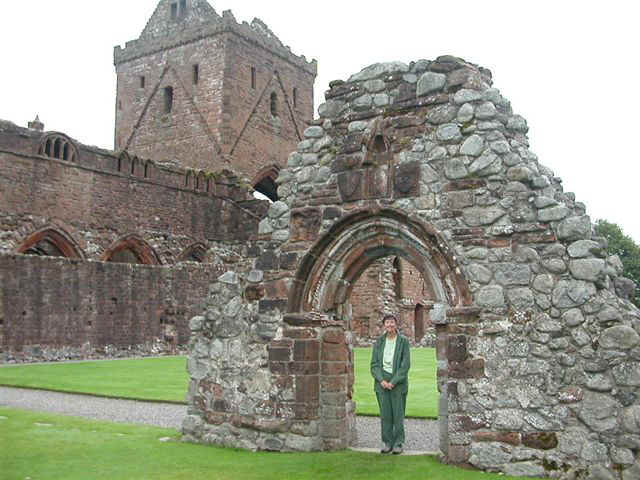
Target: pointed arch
[(51, 241), (131, 249), (329, 270), (194, 253), (265, 182)]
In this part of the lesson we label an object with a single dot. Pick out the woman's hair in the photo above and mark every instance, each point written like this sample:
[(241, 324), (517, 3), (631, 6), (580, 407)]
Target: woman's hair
[(389, 316)]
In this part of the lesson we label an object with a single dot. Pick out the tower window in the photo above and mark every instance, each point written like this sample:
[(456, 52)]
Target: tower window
[(142, 81), (183, 8), (253, 77), (196, 74), (174, 11), (168, 99), (295, 97), (274, 104)]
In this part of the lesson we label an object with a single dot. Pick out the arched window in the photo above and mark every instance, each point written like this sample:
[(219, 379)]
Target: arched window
[(131, 249), (57, 145), (195, 253), (50, 242), (397, 277), (274, 104), (418, 323), (265, 182)]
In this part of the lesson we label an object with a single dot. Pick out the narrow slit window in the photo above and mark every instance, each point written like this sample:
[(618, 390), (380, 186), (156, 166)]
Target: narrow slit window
[(274, 104), (295, 97), (65, 151), (168, 99), (142, 81), (253, 77), (196, 74), (174, 11)]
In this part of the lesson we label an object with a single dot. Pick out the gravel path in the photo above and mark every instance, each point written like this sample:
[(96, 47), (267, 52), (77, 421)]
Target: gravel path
[(422, 435)]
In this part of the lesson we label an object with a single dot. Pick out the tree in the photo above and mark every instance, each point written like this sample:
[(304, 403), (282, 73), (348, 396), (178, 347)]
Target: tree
[(626, 249)]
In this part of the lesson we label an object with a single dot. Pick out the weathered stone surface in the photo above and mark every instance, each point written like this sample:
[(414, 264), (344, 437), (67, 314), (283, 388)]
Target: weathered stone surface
[(478, 216), (473, 146), (631, 419), (589, 269), (619, 337), (599, 472), (551, 214), (524, 469), (430, 82), (627, 374), (449, 133), (491, 296), (583, 248), (488, 455), (574, 228), (572, 293), (464, 96), (598, 411), (508, 274), (632, 473)]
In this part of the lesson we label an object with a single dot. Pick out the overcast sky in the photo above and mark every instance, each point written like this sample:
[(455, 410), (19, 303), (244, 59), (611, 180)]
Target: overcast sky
[(570, 68)]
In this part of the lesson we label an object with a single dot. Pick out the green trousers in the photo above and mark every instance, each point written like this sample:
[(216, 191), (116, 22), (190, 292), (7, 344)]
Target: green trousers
[(392, 407)]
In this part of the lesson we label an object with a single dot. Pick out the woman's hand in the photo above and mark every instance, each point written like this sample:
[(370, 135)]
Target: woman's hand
[(386, 385)]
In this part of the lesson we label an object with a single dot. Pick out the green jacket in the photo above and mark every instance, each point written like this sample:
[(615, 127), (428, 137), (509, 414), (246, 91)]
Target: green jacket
[(401, 363)]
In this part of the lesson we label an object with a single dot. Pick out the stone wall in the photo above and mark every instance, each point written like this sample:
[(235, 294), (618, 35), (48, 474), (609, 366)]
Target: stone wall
[(99, 199), (538, 344), (60, 309)]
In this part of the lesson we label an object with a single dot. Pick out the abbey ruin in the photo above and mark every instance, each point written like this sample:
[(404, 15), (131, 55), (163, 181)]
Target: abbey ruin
[(413, 191)]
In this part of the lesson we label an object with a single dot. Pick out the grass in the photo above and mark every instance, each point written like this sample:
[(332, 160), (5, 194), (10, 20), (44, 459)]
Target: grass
[(165, 379), (44, 446)]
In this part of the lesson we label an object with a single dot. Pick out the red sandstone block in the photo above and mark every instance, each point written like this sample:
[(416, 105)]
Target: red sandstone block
[(512, 438), (307, 389), (335, 336), (300, 333), (334, 368), (306, 350), (279, 354), (334, 352), (304, 368), (334, 383)]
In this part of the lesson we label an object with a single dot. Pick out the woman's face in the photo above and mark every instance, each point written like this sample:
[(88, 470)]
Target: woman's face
[(390, 326)]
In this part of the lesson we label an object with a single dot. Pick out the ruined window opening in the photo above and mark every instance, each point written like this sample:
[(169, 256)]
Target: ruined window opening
[(47, 148), (295, 97), (65, 152), (56, 148), (133, 167), (146, 170), (379, 145), (119, 104), (267, 187), (126, 255), (196, 74), (253, 77), (183, 8), (418, 323), (168, 99), (274, 104), (119, 164), (142, 81), (174, 11), (397, 278)]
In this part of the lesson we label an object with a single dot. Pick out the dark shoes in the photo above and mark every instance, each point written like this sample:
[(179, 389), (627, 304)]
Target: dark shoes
[(385, 449), (397, 450)]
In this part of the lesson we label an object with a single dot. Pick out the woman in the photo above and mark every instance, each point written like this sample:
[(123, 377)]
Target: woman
[(390, 362)]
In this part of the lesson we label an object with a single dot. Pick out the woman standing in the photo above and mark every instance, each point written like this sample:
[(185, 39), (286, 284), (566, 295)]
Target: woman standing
[(390, 362)]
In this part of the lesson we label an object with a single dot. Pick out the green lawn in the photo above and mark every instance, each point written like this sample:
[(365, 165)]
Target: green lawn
[(43, 446), (165, 379)]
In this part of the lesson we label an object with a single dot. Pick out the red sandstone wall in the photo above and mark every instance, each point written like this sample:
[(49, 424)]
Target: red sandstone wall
[(187, 134), (252, 135), (56, 302), (99, 207)]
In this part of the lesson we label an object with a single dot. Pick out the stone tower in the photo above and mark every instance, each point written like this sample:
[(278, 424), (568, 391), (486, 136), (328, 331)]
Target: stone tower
[(208, 92)]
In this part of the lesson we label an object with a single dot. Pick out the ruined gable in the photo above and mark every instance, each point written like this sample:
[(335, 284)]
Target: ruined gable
[(537, 342)]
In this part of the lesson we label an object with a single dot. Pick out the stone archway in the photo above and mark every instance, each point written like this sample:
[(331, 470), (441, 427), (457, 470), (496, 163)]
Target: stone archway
[(321, 294)]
